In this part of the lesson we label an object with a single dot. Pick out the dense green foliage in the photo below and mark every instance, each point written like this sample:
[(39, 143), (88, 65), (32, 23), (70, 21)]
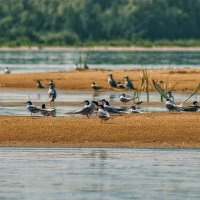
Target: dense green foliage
[(114, 22)]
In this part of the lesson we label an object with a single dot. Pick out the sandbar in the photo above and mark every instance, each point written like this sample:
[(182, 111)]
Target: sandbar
[(152, 130), (187, 79)]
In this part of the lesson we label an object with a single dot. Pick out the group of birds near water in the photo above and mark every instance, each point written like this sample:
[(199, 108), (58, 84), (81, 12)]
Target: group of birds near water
[(102, 108), (113, 84), (43, 110)]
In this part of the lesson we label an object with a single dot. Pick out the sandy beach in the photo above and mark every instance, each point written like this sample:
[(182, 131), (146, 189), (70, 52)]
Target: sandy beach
[(151, 130), (155, 130)]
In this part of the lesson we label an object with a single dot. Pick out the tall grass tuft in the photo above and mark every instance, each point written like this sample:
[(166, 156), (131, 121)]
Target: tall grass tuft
[(82, 63), (145, 82)]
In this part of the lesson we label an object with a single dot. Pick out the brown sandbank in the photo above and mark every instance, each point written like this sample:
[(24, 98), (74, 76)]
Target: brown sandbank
[(154, 130), (81, 80)]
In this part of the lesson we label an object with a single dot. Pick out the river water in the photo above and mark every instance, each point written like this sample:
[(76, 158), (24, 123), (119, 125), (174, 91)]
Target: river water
[(43, 61), (99, 173), (9, 96)]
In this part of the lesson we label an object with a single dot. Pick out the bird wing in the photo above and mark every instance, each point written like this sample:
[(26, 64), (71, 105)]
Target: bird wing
[(48, 109), (83, 111), (33, 108), (110, 109)]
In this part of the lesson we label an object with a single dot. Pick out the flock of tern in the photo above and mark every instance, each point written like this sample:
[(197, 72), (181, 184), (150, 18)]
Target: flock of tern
[(103, 108)]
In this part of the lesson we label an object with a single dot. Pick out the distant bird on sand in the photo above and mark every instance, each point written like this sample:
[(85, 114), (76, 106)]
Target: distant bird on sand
[(7, 70), (128, 83), (47, 111), (120, 85), (103, 114), (33, 109), (52, 93), (95, 87), (134, 110), (111, 81), (124, 99), (87, 110), (39, 85), (137, 104), (171, 106), (192, 108)]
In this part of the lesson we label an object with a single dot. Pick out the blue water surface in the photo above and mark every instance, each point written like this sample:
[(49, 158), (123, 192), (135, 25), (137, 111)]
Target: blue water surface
[(99, 173), (65, 60)]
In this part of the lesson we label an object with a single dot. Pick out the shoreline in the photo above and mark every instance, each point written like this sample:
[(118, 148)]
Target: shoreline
[(153, 130), (100, 48)]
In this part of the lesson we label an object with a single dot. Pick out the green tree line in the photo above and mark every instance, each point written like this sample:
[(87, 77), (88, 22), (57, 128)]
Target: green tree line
[(79, 22)]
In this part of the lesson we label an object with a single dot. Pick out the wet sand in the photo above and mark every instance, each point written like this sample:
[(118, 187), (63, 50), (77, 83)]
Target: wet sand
[(154, 130), (187, 79)]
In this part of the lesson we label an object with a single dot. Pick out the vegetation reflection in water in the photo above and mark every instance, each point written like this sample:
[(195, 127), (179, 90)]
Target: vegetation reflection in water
[(43, 61)]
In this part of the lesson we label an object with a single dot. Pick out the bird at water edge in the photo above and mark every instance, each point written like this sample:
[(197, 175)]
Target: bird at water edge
[(111, 81), (47, 111), (128, 83), (103, 114), (52, 93), (32, 108), (87, 110), (96, 87)]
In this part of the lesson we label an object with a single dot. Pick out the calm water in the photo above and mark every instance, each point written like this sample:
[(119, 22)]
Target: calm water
[(42, 61), (64, 110), (110, 174), (79, 96), (76, 97)]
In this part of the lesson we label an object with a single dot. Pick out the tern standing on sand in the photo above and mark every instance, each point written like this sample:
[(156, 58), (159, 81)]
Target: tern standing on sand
[(39, 85), (31, 108), (193, 108), (111, 81), (134, 110), (124, 99), (95, 87), (47, 111), (52, 92), (128, 83), (103, 114), (120, 85), (87, 110), (7, 70), (171, 106)]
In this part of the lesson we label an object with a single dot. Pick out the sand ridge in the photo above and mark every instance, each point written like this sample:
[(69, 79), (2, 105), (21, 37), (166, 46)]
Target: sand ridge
[(152, 130)]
